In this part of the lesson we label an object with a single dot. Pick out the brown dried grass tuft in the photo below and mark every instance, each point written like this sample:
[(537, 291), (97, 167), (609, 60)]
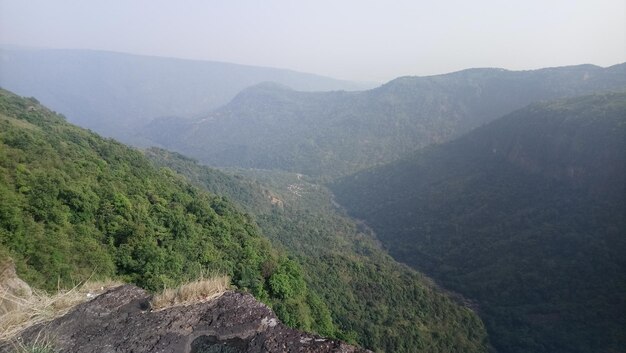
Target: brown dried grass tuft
[(43, 343), (41, 306), (200, 290)]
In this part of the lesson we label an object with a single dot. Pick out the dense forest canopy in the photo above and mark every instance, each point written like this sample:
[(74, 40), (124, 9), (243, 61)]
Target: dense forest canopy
[(77, 206)]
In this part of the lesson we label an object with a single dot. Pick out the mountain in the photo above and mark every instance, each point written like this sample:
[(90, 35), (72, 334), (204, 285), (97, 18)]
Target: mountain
[(374, 301), (333, 134), (114, 93), (525, 215), (77, 206)]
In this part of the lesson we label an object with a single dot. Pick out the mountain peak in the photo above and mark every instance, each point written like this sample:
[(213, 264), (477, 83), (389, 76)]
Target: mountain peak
[(264, 87), (269, 85)]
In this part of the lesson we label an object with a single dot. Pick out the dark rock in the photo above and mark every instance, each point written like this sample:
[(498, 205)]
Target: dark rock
[(120, 320)]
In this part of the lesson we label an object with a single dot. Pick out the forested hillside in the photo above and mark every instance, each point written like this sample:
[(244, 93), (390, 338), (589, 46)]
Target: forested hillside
[(526, 215), (373, 300), (332, 134), (77, 206), (115, 93)]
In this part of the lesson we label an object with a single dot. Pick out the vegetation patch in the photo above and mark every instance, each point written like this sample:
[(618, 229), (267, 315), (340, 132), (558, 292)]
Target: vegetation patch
[(200, 290), (42, 307), (43, 343)]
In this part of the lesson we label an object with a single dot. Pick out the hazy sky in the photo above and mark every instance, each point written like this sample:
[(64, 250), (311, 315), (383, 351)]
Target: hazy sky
[(350, 39)]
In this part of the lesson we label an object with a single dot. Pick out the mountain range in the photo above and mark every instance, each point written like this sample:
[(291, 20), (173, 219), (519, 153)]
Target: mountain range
[(331, 134), (114, 93), (507, 188)]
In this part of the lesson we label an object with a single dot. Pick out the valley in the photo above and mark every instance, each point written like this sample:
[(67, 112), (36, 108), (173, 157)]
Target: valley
[(78, 206), (476, 211), (313, 176), (369, 295)]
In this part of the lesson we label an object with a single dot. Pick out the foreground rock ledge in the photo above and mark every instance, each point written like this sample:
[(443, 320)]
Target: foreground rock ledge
[(120, 321)]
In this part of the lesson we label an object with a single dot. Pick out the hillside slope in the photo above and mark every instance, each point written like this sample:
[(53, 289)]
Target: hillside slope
[(114, 93), (337, 133), (76, 206), (374, 301), (526, 215)]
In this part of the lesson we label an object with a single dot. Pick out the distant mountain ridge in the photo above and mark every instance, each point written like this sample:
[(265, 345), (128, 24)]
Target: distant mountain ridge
[(332, 134), (526, 215), (113, 93)]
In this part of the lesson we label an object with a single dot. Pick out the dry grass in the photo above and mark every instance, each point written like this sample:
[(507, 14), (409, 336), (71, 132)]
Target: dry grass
[(42, 307), (43, 343), (200, 290)]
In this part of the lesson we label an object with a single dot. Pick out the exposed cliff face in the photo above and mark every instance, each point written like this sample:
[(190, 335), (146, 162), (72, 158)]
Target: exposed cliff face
[(121, 321), (578, 142)]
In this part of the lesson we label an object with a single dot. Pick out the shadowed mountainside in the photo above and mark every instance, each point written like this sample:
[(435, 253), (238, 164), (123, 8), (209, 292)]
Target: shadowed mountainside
[(524, 215)]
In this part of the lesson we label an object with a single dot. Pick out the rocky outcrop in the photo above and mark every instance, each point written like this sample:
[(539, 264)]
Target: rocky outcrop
[(121, 320), (11, 287)]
